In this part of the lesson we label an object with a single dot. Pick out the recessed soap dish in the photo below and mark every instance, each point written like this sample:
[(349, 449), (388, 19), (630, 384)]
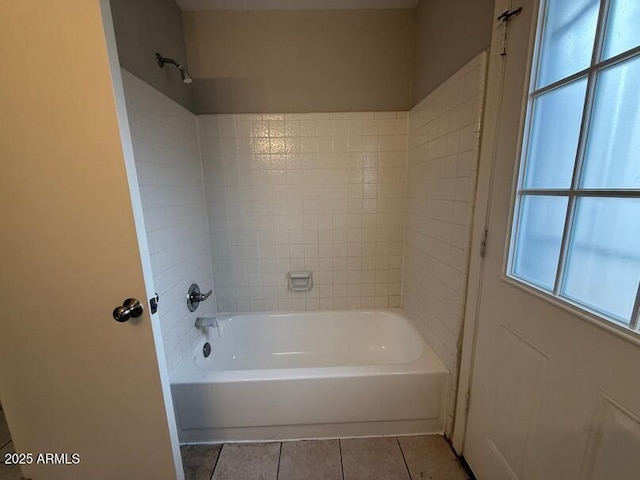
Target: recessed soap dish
[(300, 281)]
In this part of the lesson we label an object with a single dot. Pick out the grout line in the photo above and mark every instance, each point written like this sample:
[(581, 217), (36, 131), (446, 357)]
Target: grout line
[(279, 456), (215, 464), (404, 459), (341, 465)]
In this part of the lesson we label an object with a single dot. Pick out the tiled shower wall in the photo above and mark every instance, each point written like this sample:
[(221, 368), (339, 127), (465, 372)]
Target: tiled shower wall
[(443, 157), (319, 192), (167, 158)]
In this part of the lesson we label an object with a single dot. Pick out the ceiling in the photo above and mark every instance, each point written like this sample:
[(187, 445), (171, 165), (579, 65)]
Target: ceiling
[(295, 4)]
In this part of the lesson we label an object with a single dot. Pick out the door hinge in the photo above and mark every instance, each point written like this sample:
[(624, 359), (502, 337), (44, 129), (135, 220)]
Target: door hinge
[(467, 401), (483, 243)]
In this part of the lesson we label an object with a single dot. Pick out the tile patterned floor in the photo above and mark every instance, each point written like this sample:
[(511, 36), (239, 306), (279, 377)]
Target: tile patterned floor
[(422, 457)]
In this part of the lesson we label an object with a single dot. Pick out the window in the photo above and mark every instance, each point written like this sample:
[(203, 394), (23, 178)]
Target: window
[(576, 227)]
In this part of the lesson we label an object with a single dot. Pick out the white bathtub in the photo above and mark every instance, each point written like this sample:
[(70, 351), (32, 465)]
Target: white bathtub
[(310, 375)]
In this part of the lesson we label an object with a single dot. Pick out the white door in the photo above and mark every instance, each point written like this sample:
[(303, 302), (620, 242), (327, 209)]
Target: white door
[(72, 379), (554, 393)]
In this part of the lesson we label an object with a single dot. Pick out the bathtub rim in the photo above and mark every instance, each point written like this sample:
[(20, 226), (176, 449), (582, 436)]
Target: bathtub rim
[(188, 372)]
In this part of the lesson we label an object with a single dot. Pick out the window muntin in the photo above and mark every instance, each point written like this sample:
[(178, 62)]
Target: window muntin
[(576, 227)]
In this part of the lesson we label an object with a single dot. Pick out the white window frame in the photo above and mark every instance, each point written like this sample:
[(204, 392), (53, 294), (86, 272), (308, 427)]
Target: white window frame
[(630, 326)]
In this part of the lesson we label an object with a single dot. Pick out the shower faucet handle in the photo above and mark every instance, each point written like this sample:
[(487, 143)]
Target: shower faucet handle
[(194, 297), (201, 297)]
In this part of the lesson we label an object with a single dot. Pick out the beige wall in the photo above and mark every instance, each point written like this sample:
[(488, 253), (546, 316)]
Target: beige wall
[(300, 61), (449, 33), (144, 27)]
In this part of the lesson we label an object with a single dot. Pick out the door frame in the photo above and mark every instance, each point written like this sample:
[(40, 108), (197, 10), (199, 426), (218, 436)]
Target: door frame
[(479, 225), (141, 233)]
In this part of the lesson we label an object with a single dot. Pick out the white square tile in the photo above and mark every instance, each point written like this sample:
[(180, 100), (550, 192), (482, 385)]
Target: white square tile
[(441, 172), (170, 166)]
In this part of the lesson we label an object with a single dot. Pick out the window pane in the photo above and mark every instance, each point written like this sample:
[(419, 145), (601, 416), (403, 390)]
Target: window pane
[(603, 267), (567, 40), (622, 30), (554, 136), (538, 239), (613, 151)]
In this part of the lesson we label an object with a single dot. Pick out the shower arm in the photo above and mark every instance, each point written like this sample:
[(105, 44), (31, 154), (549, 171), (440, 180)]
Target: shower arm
[(162, 60), (184, 73)]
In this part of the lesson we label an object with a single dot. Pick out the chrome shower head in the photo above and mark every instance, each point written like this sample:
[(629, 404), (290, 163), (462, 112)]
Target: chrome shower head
[(184, 73), (186, 78)]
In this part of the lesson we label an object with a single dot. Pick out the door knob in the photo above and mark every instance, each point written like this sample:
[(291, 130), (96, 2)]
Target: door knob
[(131, 308)]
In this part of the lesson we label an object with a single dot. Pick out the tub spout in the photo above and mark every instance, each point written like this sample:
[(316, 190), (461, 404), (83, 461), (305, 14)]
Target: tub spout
[(206, 322)]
